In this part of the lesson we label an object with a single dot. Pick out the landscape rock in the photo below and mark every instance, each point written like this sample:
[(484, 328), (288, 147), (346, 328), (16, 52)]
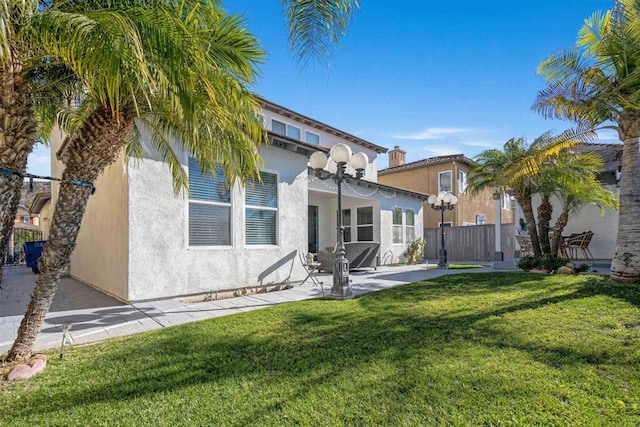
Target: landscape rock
[(26, 371), (565, 270)]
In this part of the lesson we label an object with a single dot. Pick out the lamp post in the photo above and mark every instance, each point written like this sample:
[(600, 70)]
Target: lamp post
[(442, 202), (498, 254), (339, 157)]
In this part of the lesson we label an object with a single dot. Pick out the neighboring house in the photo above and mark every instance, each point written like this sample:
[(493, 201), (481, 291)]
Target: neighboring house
[(589, 218), (24, 217), (445, 173), (139, 241), (41, 209)]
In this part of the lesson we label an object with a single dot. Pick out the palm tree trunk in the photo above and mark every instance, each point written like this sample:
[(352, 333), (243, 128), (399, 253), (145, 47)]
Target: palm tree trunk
[(558, 228), (544, 219), (98, 144), (17, 137), (523, 197), (625, 266)]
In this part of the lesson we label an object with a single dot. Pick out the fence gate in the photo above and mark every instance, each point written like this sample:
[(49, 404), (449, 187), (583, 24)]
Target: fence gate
[(472, 243), (15, 252)]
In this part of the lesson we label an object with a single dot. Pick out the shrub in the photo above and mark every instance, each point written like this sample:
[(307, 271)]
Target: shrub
[(582, 267), (545, 262), (415, 251)]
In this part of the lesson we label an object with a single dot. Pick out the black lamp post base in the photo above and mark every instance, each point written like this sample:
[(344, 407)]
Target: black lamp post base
[(442, 262)]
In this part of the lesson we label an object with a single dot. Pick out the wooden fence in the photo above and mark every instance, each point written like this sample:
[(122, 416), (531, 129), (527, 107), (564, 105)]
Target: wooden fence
[(472, 243)]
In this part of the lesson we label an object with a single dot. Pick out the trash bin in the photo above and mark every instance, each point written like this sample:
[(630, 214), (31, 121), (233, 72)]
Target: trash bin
[(32, 251)]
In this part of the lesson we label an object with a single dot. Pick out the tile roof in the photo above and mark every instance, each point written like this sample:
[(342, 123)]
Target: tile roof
[(461, 158)]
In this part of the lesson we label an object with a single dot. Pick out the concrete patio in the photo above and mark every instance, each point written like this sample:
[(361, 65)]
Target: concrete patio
[(94, 316)]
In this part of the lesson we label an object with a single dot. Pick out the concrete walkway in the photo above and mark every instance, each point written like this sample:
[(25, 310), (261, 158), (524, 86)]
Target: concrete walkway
[(94, 316)]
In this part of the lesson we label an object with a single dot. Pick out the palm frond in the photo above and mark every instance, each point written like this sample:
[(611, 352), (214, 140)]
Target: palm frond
[(316, 26)]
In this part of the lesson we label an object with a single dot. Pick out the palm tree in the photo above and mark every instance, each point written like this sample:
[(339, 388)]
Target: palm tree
[(526, 170), (577, 185), (181, 71), (597, 83), (19, 129)]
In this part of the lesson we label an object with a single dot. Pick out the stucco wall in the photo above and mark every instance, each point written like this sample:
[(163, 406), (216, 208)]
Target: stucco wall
[(45, 219), (425, 180), (161, 262), (324, 195), (327, 140), (589, 218), (100, 257)]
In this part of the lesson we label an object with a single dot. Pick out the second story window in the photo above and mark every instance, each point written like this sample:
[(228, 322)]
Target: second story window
[(286, 129), (462, 181), (444, 181), (312, 138)]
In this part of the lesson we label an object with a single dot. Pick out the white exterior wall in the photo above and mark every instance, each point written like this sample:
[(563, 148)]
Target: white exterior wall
[(161, 263), (589, 218), (327, 140), (324, 195)]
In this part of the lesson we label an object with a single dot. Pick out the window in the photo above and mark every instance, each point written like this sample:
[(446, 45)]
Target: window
[(506, 201), (446, 224), (261, 203), (209, 208), (312, 138), (410, 219), (285, 129), (278, 127), (346, 223), (462, 181), (480, 219), (26, 219), (444, 181), (397, 225), (293, 132), (365, 224)]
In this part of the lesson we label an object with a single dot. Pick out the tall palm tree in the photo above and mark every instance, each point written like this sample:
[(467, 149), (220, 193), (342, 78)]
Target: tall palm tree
[(180, 70), (597, 83), (19, 129)]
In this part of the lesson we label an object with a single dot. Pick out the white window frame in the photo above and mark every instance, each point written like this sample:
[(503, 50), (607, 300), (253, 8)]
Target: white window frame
[(506, 201), (358, 225), (264, 208), (228, 205), (306, 137), (446, 224), (396, 227), (409, 227), (483, 217), (450, 172), (462, 183), (347, 226), (26, 219)]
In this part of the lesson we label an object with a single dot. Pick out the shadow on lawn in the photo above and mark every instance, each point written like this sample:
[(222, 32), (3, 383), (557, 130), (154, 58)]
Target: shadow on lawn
[(316, 342)]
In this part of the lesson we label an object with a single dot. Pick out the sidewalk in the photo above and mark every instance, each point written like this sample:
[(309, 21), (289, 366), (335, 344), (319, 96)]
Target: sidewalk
[(94, 316)]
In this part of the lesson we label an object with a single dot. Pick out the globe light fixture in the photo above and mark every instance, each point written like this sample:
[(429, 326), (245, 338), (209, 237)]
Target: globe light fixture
[(442, 202), (335, 167)]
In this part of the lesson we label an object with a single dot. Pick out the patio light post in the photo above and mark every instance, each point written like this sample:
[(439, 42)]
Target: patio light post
[(339, 157), (442, 202)]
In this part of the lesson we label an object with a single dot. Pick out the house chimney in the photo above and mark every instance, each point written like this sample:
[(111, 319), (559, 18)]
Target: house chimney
[(396, 157)]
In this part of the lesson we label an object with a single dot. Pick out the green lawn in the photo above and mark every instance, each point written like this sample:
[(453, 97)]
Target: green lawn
[(470, 349)]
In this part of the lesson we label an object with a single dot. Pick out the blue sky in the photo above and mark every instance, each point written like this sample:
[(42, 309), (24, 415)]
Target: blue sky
[(434, 78)]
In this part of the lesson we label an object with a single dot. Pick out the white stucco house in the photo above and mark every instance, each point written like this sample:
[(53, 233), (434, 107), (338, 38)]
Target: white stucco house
[(139, 241)]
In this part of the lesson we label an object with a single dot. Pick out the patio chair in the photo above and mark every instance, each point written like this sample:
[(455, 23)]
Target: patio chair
[(526, 248), (579, 242), (312, 268)]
